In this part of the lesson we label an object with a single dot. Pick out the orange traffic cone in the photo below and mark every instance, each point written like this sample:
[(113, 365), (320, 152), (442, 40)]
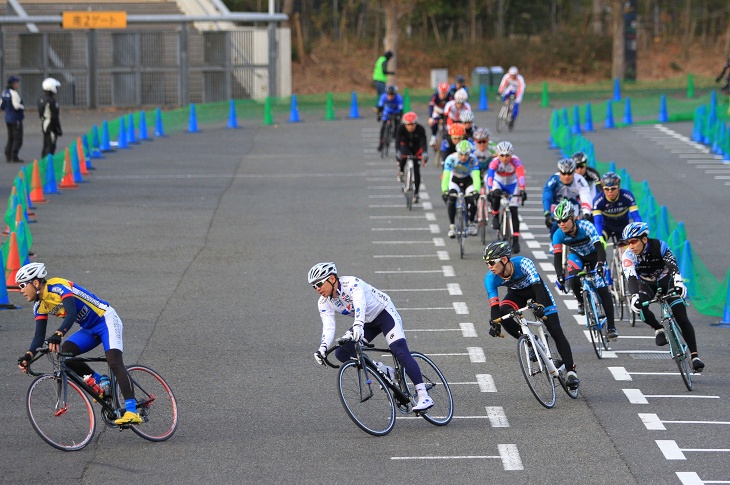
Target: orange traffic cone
[(36, 187), (67, 182), (13, 265), (82, 157)]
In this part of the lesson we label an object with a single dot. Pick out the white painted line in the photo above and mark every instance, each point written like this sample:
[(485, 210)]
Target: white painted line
[(386, 196), (691, 478), (424, 308), (652, 422), (533, 244), (547, 266), (467, 330), (430, 216), (382, 256), (427, 206), (461, 308), (381, 229), (385, 206), (443, 255), (635, 396), (382, 187), (539, 254), (454, 289), (397, 217), (434, 228), (409, 272), (620, 374), (572, 304), (510, 457), (670, 450), (439, 242), (497, 417), (527, 235), (476, 354), (403, 242), (455, 457), (486, 383), (396, 290), (448, 271)]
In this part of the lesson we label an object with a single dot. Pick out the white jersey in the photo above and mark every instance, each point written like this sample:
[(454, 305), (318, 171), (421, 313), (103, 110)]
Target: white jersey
[(516, 86), (453, 112), (356, 299)]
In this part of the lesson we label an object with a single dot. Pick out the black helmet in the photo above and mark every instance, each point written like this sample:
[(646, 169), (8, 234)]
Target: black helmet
[(496, 250), (392, 89), (581, 159), (460, 79)]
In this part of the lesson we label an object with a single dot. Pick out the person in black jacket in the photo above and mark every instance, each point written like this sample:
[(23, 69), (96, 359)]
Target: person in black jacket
[(725, 87), (49, 112), (14, 114), (410, 140)]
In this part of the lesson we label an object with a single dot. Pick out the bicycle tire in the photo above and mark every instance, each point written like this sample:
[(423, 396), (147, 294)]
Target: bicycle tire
[(483, 217), (535, 374), (505, 226), (156, 404), (69, 430), (409, 185), (593, 324), (460, 229), (680, 353), (502, 118), (562, 371), (438, 388), (617, 288), (376, 413)]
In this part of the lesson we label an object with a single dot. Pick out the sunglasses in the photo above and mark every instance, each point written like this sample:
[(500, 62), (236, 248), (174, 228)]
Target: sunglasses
[(632, 241), (492, 262), (320, 284), (566, 173), (480, 141), (563, 221), (610, 188), (504, 155), (23, 285)]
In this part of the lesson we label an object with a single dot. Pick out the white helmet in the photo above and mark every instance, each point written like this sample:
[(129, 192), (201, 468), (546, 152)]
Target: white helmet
[(50, 84), (31, 271), (320, 271), (504, 148), (460, 96), (466, 116), (513, 71)]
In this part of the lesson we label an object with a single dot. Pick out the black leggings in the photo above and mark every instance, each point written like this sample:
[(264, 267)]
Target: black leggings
[(646, 293), (114, 358)]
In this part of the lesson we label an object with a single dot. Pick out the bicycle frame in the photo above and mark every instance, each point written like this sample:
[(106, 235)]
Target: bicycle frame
[(595, 320)]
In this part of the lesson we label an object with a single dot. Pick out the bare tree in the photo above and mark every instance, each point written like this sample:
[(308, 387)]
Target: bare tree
[(618, 66), (597, 21), (394, 10)]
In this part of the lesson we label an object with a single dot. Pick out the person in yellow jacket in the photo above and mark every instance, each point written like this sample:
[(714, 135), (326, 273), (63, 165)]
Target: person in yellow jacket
[(380, 73)]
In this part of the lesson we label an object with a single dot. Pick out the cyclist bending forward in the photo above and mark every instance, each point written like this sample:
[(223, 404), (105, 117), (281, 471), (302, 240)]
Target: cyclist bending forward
[(506, 175), (98, 321), (410, 140), (374, 313), (512, 83)]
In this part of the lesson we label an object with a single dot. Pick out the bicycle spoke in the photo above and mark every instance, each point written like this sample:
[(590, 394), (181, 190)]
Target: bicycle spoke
[(536, 374), (438, 388), (366, 399), (156, 404), (592, 323)]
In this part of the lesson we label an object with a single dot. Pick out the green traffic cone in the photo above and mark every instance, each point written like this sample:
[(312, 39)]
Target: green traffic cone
[(545, 102), (268, 118), (330, 115), (406, 101)]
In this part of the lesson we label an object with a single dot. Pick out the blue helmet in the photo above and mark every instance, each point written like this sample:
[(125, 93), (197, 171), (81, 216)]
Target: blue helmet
[(635, 230)]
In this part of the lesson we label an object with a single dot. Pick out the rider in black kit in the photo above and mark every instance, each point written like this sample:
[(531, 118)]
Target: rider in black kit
[(410, 139)]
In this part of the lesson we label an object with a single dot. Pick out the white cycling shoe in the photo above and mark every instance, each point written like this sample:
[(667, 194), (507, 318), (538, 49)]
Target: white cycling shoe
[(424, 402)]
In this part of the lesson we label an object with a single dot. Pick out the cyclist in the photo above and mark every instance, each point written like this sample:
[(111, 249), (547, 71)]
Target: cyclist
[(589, 173), (614, 208), (565, 184), (374, 313), (453, 109), (512, 83), (99, 323), (461, 174), (586, 249), (448, 146), (506, 175), (459, 83), (648, 266), (466, 118), (725, 87), (523, 283), (436, 110), (390, 103), (484, 150), (410, 139)]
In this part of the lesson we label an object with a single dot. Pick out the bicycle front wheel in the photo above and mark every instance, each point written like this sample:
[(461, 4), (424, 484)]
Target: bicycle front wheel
[(502, 118), (64, 424), (594, 328), (409, 187), (366, 399), (460, 230), (483, 218), (617, 289), (680, 354), (536, 373), (437, 387), (505, 226), (156, 404)]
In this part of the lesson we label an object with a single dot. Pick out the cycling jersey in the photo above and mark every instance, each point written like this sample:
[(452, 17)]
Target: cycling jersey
[(577, 192), (583, 243), (655, 262), (524, 276), (611, 216), (484, 157), (507, 173), (452, 112), (89, 308), (411, 143), (390, 106), (436, 105), (514, 85), (455, 168)]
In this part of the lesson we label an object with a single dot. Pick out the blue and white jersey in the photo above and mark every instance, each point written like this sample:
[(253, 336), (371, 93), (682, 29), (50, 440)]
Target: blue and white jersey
[(394, 105), (524, 276), (577, 192), (612, 216), (458, 169), (582, 243)]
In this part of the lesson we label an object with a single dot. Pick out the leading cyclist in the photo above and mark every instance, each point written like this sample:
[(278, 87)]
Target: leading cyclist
[(512, 83), (390, 103)]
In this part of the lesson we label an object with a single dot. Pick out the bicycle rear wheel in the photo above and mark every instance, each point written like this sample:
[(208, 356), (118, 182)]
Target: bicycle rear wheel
[(366, 399), (67, 426), (680, 353), (562, 371), (443, 408), (536, 373), (156, 404), (593, 325)]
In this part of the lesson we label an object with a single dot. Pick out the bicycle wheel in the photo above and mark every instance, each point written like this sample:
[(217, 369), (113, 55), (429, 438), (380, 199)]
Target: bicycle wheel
[(592, 322), (562, 371), (617, 288), (69, 426), (366, 399), (510, 120), (680, 353), (443, 408), (536, 374), (409, 185), (156, 404), (505, 226), (483, 218), (460, 230), (502, 118)]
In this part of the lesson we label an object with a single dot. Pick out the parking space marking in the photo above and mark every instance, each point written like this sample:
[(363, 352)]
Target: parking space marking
[(635, 396), (508, 454), (671, 450), (476, 354), (652, 422), (691, 478), (497, 417), (460, 308), (468, 330)]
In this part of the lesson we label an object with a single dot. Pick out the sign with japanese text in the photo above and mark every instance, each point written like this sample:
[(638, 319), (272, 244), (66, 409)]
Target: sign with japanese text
[(94, 20)]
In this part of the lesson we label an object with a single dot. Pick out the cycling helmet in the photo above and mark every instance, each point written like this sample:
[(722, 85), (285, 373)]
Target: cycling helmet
[(320, 271), (610, 179), (410, 118), (496, 250), (635, 229), (444, 87), (392, 89), (504, 148), (513, 71), (50, 84), (466, 116), (581, 159), (460, 96), (566, 165), (480, 134), (460, 79), (30, 272), (457, 129), (563, 210), (463, 147)]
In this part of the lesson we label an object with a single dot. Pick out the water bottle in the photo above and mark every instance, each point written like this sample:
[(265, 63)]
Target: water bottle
[(388, 371), (91, 382), (105, 385)]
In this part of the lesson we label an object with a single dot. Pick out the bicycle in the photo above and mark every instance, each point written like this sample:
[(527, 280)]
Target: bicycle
[(60, 411), (594, 313), (505, 231), (409, 182), (619, 287), (370, 397), (504, 118), (536, 359), (461, 221), (388, 134), (678, 349), (483, 211)]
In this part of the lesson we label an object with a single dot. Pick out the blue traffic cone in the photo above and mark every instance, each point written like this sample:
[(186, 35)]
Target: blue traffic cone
[(609, 115), (106, 144), (122, 140), (95, 143), (662, 230), (726, 314), (628, 120), (483, 105), (4, 298), (686, 269), (616, 90), (159, 129), (50, 186), (612, 166), (85, 141), (564, 117), (294, 112), (588, 124), (76, 166), (663, 118), (354, 112), (193, 120), (143, 135), (131, 133), (576, 121), (232, 121), (699, 117)]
